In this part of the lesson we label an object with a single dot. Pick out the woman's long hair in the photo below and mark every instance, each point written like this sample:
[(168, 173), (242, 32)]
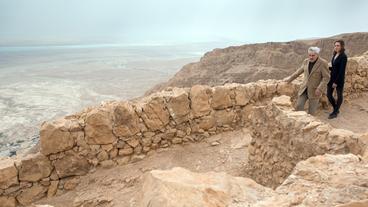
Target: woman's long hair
[(342, 43)]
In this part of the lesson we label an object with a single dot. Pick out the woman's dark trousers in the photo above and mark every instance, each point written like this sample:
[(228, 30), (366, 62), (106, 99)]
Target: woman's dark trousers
[(335, 103)]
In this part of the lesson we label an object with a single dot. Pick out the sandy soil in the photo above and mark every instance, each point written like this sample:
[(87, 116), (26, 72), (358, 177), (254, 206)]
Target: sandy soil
[(353, 115), (120, 186)]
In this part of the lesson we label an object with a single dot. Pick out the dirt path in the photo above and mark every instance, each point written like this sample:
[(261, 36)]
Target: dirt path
[(353, 115), (120, 186)]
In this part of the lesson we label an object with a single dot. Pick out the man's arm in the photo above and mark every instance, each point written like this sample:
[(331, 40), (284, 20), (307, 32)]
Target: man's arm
[(296, 74), (325, 78)]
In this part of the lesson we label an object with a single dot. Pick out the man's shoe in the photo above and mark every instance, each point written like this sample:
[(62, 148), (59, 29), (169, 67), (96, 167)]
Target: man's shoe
[(332, 115)]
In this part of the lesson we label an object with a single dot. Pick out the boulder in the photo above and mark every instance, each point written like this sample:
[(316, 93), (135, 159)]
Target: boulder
[(178, 105), (179, 187), (71, 164), (98, 128), (204, 123), (71, 183), (200, 96), (55, 137), (221, 97), (154, 113), (8, 201), (224, 117), (52, 188), (34, 167), (282, 100), (288, 89), (125, 120), (8, 173), (242, 96), (29, 195)]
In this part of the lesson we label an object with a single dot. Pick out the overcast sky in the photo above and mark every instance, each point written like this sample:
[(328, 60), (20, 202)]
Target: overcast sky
[(173, 21)]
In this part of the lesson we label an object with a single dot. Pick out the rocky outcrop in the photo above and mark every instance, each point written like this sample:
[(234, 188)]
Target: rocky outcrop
[(252, 62), (179, 187), (323, 181)]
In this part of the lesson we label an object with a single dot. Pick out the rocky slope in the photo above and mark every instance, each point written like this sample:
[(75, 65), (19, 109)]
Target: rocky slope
[(252, 62)]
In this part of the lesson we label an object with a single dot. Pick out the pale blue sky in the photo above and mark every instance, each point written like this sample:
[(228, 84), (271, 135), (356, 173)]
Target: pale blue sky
[(171, 21)]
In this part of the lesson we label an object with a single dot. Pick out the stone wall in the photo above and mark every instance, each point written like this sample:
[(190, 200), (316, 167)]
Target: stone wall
[(116, 133), (282, 137), (356, 79)]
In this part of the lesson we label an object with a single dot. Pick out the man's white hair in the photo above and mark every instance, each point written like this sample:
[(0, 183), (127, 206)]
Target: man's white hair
[(314, 49)]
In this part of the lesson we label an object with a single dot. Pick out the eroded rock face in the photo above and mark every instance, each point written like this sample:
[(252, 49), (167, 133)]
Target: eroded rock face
[(179, 187), (34, 167), (71, 164), (55, 137), (98, 128), (8, 173)]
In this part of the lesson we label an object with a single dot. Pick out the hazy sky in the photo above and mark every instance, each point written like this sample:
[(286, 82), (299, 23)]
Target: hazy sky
[(173, 21)]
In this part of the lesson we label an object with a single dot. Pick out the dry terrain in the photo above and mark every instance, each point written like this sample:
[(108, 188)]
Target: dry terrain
[(353, 115), (252, 62)]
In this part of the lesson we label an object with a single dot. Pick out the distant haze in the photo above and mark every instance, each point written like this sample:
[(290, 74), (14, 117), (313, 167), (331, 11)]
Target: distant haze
[(168, 21)]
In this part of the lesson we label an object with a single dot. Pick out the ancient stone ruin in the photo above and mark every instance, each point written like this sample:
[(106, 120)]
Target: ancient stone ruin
[(294, 159)]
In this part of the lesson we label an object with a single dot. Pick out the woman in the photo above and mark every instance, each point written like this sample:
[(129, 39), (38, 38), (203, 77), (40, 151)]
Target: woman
[(337, 78)]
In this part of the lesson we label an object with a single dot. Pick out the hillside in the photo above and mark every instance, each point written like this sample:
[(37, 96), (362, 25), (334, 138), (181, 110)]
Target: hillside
[(252, 62)]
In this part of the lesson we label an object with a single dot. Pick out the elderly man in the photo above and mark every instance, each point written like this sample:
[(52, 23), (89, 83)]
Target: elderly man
[(316, 77)]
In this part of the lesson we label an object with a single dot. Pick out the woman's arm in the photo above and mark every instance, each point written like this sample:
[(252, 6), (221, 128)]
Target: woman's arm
[(341, 69)]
